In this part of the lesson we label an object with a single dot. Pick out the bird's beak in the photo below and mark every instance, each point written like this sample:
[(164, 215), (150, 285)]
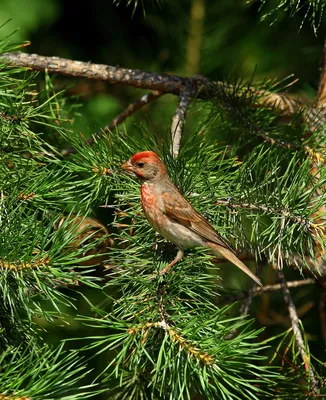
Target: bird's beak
[(127, 166)]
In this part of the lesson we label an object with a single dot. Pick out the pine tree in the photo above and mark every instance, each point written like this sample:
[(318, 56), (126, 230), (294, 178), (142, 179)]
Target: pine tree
[(252, 162)]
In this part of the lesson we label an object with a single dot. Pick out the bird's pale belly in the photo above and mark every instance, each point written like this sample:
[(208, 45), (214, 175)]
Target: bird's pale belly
[(180, 235), (168, 228)]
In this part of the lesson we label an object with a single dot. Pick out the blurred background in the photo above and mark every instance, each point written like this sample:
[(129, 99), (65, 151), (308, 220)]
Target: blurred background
[(217, 39)]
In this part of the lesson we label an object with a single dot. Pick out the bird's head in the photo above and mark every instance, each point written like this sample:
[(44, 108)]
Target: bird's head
[(147, 166)]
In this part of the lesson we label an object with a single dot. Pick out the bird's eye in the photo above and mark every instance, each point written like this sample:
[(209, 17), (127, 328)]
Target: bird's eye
[(140, 164)]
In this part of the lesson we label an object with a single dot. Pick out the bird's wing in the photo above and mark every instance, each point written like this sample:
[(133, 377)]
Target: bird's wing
[(181, 211)]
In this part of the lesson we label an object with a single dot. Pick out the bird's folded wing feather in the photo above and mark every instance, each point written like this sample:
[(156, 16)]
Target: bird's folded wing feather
[(186, 215)]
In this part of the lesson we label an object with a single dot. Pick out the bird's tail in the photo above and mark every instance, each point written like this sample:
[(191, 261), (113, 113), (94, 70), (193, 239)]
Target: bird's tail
[(228, 254)]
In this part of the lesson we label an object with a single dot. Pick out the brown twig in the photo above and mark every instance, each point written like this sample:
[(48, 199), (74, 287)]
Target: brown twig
[(316, 162), (131, 109), (244, 309), (322, 307), (179, 120), (297, 331), (312, 117), (259, 290), (160, 299), (314, 228), (313, 154), (321, 96)]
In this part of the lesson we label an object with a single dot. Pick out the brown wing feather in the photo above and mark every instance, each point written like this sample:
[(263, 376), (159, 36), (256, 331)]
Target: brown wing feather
[(186, 215)]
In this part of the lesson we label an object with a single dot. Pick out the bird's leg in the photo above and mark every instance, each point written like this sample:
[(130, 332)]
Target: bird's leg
[(178, 257)]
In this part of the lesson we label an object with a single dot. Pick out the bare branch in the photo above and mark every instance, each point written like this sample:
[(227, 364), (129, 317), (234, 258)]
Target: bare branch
[(297, 331), (321, 96), (178, 120), (259, 290), (244, 310), (131, 109), (165, 83), (322, 307)]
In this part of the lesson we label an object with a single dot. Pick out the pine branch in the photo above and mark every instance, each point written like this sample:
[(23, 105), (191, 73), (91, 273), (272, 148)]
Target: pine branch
[(297, 332), (185, 88), (21, 265), (322, 307), (315, 156), (310, 9), (244, 309), (29, 372), (194, 342), (314, 228), (165, 83), (167, 326), (175, 336), (13, 397), (260, 290)]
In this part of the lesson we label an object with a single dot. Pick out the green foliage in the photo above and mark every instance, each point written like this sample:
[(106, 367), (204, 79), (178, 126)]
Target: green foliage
[(171, 340), (37, 260), (310, 9), (40, 372)]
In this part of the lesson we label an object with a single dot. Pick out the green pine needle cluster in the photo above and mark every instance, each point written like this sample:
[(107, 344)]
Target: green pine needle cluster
[(311, 10), (38, 372)]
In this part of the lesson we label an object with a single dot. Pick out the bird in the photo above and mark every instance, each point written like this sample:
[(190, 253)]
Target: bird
[(172, 215)]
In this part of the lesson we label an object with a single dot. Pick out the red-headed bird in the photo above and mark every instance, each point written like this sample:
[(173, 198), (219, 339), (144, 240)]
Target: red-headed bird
[(170, 214)]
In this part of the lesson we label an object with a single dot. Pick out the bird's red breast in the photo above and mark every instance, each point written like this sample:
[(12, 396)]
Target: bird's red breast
[(148, 197), (151, 209)]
